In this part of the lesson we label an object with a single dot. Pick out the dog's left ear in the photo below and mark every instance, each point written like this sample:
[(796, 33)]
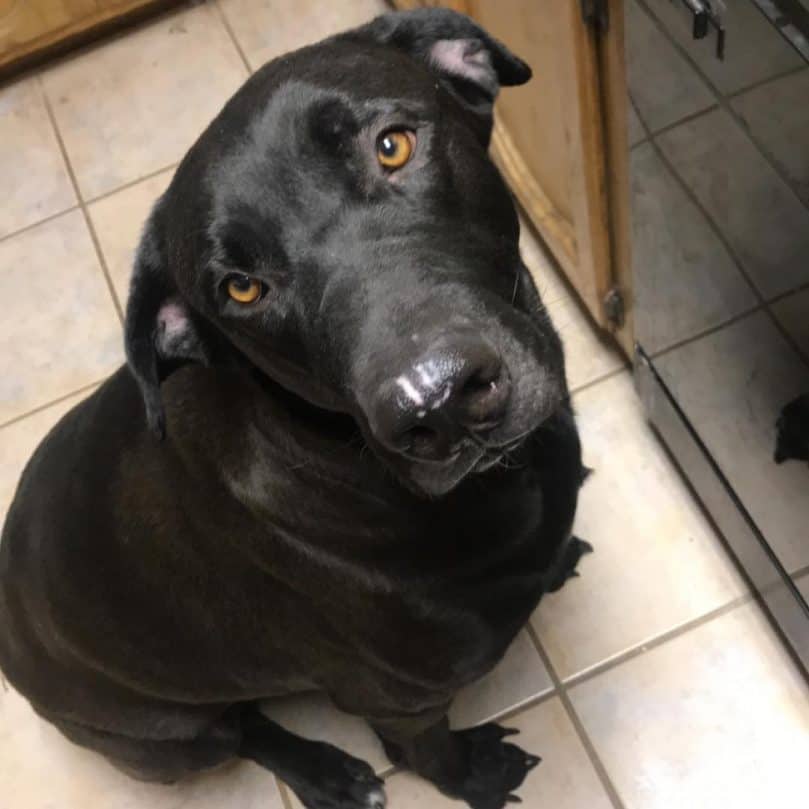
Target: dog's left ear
[(160, 331), (470, 62)]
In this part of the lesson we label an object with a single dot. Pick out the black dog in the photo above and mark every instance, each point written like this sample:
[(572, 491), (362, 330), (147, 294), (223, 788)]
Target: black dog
[(359, 467)]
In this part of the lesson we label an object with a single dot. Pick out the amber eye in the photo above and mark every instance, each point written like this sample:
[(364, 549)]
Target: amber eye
[(394, 148), (244, 289)]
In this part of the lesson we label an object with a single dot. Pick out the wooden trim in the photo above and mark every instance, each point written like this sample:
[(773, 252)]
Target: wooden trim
[(78, 32), (613, 83), (553, 227), (589, 200)]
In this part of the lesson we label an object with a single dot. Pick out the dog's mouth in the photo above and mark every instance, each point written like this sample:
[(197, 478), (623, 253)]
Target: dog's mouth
[(503, 456), (472, 457)]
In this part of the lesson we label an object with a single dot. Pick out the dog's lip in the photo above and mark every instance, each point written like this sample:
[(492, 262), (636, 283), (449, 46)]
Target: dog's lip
[(473, 458), (492, 456)]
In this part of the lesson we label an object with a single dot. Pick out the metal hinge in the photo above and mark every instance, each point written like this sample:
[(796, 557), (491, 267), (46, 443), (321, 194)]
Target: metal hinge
[(614, 308), (595, 13)]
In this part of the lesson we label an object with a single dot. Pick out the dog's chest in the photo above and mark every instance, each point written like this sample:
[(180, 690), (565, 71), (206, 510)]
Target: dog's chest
[(401, 598)]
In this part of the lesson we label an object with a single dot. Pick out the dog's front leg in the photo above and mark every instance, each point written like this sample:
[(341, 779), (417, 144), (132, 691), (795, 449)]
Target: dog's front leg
[(476, 765), (321, 775)]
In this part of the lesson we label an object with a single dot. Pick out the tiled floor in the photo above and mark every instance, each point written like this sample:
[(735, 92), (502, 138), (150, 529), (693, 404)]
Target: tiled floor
[(650, 681)]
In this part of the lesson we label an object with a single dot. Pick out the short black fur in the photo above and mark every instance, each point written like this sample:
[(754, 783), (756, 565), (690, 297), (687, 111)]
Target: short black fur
[(259, 532)]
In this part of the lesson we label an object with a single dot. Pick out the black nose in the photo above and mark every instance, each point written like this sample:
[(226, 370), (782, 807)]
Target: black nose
[(455, 390)]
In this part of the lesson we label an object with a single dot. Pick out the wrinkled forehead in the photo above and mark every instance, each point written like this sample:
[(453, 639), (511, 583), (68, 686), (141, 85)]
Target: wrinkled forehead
[(310, 102), (365, 71)]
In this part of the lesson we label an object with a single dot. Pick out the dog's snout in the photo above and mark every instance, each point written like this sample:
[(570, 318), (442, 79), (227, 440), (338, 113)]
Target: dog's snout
[(453, 391)]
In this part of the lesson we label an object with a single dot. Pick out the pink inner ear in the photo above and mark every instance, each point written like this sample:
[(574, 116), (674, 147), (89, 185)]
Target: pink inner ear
[(466, 58), (172, 319)]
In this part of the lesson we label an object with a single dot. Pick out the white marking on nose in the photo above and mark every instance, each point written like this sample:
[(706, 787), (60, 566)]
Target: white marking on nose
[(410, 391), (426, 372), (445, 394)]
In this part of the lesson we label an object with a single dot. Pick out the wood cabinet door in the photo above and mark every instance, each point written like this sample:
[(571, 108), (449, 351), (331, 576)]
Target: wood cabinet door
[(31, 27), (560, 140)]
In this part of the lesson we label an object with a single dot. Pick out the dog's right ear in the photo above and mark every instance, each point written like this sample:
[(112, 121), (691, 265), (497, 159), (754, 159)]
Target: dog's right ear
[(159, 332)]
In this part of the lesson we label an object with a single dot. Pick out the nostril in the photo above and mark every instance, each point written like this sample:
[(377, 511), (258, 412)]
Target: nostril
[(481, 383), (483, 398), (420, 440)]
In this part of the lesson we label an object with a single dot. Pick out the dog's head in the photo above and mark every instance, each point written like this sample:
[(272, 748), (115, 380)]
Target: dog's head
[(341, 227)]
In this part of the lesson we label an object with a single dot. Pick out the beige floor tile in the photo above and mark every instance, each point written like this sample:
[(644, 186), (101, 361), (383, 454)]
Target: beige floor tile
[(40, 769), (793, 314), (35, 179), (657, 563), (520, 677), (118, 221), (683, 286), (760, 216), (268, 28), (19, 440), (60, 330), (717, 717), (777, 114), (588, 354), (133, 105), (564, 780), (542, 266), (666, 88), (733, 384), (313, 716), (756, 51)]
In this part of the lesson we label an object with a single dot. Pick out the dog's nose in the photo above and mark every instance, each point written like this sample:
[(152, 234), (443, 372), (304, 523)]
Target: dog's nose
[(453, 391)]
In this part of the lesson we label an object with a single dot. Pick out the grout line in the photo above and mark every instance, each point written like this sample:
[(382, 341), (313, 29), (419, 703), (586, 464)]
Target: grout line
[(528, 705), (91, 201), (39, 222), (599, 379), (51, 403), (589, 747), (644, 128), (761, 82), (658, 640), (800, 573), (706, 332), (82, 204), (233, 38), (782, 295), (687, 119), (130, 183)]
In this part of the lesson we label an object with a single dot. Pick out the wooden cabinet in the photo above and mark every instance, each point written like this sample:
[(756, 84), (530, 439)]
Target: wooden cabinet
[(561, 140), (30, 28)]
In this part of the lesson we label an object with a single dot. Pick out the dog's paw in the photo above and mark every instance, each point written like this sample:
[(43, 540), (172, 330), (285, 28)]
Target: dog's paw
[(340, 781), (494, 768), (566, 566)]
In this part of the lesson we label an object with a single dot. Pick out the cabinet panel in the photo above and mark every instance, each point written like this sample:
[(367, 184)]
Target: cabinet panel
[(29, 28)]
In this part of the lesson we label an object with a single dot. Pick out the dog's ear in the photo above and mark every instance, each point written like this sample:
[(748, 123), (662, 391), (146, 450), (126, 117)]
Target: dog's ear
[(472, 64), (160, 333)]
